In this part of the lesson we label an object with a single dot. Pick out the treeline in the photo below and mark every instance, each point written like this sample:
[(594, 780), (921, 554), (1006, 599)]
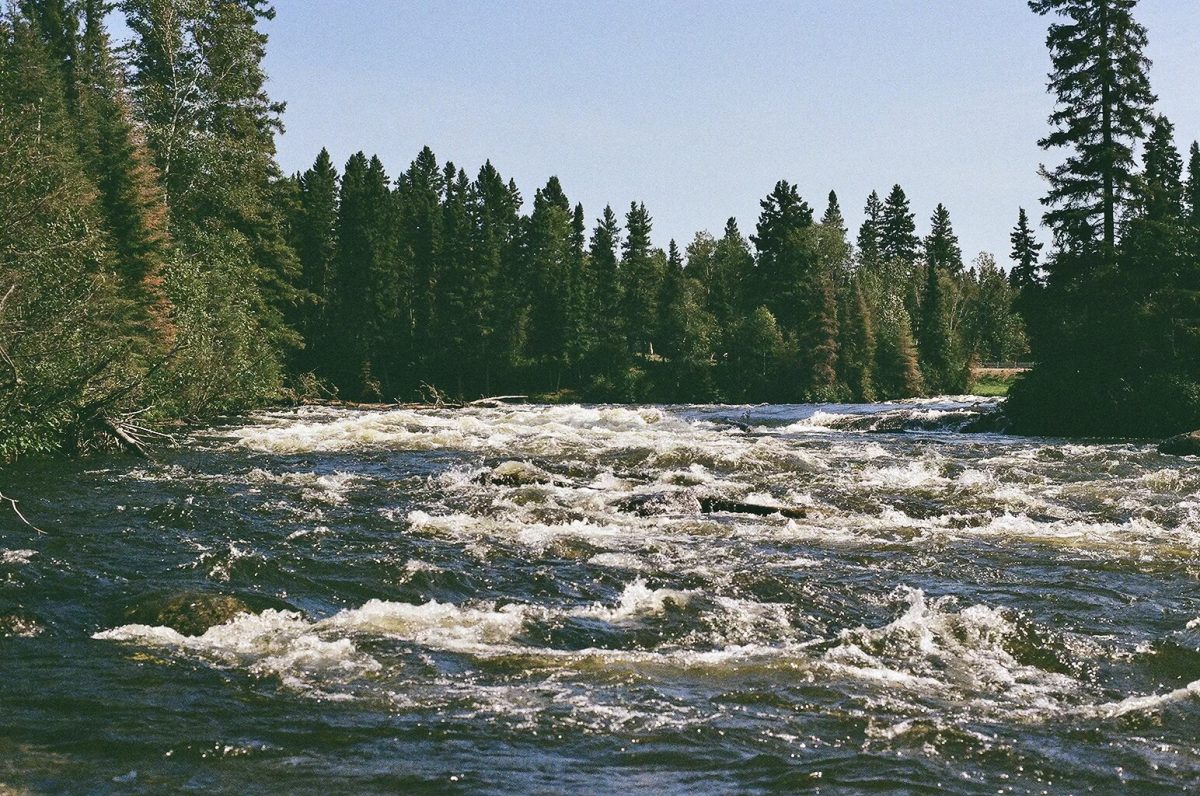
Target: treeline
[(439, 278), (1115, 319), (154, 263)]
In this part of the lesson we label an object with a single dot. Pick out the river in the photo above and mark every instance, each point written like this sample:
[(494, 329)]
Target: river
[(605, 600)]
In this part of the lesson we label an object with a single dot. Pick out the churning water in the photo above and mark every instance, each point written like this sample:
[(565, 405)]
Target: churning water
[(605, 600)]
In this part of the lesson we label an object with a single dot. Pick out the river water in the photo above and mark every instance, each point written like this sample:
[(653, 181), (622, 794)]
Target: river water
[(605, 600)]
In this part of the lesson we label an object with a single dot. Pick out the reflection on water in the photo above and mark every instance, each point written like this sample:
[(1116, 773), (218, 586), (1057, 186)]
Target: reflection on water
[(683, 599)]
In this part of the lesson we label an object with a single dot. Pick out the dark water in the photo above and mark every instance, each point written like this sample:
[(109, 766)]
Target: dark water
[(540, 600)]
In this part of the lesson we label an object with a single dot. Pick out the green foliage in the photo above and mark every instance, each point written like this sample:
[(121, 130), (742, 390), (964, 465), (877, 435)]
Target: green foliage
[(1115, 330), (153, 258)]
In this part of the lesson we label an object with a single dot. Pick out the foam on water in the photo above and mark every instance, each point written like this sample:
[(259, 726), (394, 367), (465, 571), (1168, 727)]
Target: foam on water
[(727, 583)]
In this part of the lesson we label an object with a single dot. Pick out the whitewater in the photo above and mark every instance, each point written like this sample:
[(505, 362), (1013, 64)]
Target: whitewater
[(534, 599)]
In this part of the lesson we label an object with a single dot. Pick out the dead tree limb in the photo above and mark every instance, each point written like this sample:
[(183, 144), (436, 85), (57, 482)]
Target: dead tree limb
[(13, 503)]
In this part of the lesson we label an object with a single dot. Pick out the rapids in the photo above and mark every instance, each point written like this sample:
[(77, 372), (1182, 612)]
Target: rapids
[(539, 599)]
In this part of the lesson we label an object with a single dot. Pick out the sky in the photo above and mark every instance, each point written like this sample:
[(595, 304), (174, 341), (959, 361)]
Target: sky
[(698, 108)]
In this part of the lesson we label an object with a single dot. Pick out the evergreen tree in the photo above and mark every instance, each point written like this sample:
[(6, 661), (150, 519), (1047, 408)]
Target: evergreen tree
[(609, 319), (61, 359), (941, 246), (579, 298), (1026, 271), (795, 283), (834, 247), (640, 279), (459, 293), (501, 317), (733, 273), (549, 251), (783, 258), (1191, 195), (315, 241), (685, 334), (856, 343), (995, 329), (898, 229), (1160, 189), (1099, 78), (419, 193), (870, 233), (832, 218)]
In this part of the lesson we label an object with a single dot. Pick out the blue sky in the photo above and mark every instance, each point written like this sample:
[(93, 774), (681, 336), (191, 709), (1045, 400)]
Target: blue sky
[(698, 108)]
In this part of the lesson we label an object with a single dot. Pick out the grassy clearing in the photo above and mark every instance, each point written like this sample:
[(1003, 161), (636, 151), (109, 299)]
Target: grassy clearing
[(993, 382)]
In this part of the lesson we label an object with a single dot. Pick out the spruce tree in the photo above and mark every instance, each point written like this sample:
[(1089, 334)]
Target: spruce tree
[(1191, 193), (783, 258), (579, 298), (315, 241), (870, 233), (1099, 78), (549, 252), (1160, 189), (609, 319), (457, 317), (419, 194), (501, 315), (941, 245), (1026, 251), (733, 276), (640, 279), (856, 343), (898, 239)]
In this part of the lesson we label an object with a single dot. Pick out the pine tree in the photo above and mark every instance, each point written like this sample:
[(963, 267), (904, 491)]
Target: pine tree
[(832, 218), (115, 160), (347, 345), (1026, 270), (1099, 78), (671, 301), (62, 357)]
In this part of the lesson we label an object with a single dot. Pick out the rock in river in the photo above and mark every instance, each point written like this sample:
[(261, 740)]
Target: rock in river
[(1181, 445)]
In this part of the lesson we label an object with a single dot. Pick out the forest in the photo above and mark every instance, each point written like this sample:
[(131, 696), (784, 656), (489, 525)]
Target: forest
[(156, 266)]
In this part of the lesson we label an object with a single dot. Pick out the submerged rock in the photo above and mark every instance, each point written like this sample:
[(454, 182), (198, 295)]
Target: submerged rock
[(519, 474), (687, 502), (190, 613), (1181, 445)]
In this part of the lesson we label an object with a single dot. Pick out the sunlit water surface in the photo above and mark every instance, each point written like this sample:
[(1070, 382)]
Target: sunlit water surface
[(605, 600)]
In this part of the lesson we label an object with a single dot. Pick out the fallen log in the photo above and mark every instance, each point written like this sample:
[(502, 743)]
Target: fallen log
[(125, 438)]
